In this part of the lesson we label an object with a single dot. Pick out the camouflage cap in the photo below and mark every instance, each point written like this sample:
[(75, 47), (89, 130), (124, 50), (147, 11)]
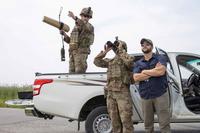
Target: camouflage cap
[(87, 12), (146, 40)]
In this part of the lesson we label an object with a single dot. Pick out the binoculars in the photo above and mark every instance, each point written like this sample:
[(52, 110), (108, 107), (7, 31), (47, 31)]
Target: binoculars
[(114, 45)]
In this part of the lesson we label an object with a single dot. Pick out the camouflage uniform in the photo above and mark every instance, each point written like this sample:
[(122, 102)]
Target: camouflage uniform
[(119, 102), (82, 36)]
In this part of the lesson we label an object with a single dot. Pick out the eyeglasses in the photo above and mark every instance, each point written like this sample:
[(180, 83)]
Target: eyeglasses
[(147, 44), (86, 16)]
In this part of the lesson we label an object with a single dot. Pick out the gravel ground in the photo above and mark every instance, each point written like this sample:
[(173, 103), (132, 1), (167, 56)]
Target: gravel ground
[(15, 121)]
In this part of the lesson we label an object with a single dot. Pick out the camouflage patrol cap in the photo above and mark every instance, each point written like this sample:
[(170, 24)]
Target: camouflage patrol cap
[(146, 40), (123, 44), (87, 12)]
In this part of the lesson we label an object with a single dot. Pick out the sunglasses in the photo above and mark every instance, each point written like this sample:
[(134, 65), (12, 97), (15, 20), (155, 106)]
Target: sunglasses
[(147, 44), (86, 16)]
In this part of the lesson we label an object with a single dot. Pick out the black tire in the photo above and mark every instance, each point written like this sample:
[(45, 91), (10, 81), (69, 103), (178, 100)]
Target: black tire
[(98, 121)]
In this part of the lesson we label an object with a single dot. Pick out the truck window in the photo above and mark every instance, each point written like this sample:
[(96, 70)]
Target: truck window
[(185, 73), (188, 65)]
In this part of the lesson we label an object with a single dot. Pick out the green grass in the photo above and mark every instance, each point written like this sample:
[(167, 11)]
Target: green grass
[(10, 92)]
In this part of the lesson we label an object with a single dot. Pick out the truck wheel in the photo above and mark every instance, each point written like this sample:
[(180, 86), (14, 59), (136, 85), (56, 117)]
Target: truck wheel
[(98, 121)]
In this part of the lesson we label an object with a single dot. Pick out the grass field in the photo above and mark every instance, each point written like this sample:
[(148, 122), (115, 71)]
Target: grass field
[(10, 92)]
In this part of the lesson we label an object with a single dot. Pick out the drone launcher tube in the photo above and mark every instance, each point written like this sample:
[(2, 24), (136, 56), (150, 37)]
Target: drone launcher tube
[(56, 23)]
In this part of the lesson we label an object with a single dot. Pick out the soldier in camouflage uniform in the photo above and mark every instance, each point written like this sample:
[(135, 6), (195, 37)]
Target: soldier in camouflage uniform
[(119, 102), (82, 36)]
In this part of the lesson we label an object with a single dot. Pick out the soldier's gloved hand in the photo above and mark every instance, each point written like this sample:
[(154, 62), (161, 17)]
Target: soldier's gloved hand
[(102, 54), (71, 14), (62, 32), (107, 48)]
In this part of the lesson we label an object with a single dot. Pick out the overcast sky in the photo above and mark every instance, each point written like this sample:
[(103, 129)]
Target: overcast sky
[(27, 45)]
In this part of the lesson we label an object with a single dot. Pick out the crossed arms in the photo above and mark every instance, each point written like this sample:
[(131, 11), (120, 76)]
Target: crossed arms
[(158, 71)]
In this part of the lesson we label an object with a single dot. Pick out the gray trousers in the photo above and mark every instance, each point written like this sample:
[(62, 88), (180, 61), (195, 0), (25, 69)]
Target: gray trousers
[(160, 105)]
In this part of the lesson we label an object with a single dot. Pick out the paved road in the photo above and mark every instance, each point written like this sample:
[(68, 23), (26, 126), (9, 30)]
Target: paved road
[(14, 121)]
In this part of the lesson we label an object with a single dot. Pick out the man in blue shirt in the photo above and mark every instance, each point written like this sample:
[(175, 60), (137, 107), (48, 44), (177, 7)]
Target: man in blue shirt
[(150, 72)]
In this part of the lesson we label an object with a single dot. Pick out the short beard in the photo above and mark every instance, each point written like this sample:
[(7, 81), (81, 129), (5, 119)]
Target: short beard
[(146, 51)]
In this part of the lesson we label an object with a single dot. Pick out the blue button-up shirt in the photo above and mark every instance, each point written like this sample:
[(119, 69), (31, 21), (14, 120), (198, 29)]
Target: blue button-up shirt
[(154, 86)]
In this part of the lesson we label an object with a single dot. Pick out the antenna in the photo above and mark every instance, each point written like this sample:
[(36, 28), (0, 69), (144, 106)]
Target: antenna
[(62, 51)]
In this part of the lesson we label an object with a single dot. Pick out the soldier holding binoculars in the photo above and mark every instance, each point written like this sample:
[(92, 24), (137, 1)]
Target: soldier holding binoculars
[(119, 102)]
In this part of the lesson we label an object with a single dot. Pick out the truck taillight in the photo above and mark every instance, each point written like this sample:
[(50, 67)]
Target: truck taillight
[(38, 84)]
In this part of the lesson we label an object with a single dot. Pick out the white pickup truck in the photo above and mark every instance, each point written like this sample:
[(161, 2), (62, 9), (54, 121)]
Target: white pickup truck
[(80, 97)]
